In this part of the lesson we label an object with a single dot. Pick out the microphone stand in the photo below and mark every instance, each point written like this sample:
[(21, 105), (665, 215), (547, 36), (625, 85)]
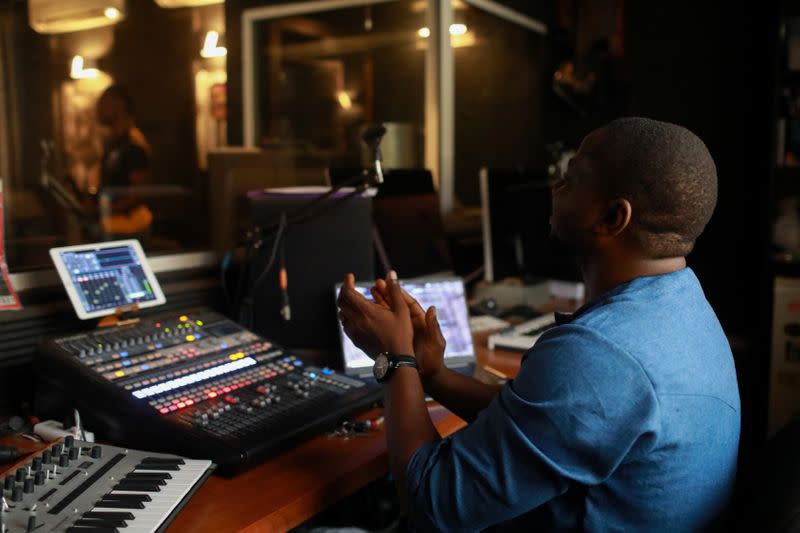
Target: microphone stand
[(372, 136)]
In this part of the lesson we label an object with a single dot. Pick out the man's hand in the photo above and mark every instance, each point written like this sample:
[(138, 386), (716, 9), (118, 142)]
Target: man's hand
[(429, 343), (377, 327)]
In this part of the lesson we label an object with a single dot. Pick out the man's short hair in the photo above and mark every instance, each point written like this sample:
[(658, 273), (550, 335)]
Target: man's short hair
[(121, 94), (668, 175)]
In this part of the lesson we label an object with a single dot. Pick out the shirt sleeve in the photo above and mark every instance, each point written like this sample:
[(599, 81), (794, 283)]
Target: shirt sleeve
[(572, 415)]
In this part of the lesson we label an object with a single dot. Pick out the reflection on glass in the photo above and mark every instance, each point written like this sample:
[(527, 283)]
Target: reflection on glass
[(322, 77), (103, 132), (499, 68)]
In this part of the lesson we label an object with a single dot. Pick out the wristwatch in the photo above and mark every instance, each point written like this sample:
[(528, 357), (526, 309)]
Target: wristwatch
[(386, 363)]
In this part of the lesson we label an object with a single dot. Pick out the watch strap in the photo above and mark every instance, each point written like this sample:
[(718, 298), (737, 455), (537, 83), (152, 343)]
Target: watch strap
[(397, 361)]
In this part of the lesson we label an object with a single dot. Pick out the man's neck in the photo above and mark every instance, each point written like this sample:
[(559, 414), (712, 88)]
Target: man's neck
[(603, 274)]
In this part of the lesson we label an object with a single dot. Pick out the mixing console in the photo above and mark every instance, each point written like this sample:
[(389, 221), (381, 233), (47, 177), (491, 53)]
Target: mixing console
[(195, 384), (80, 487)]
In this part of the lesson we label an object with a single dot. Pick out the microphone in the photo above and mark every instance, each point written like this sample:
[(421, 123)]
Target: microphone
[(372, 137)]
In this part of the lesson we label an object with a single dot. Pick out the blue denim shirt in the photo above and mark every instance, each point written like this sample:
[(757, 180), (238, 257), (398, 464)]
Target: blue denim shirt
[(624, 417)]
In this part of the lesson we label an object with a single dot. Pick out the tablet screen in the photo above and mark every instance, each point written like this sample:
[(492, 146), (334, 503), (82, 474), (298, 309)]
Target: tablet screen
[(101, 278)]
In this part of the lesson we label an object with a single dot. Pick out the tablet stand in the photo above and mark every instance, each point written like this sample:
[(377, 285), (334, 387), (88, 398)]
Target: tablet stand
[(117, 318)]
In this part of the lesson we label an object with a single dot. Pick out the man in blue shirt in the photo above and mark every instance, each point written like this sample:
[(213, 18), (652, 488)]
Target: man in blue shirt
[(623, 417)]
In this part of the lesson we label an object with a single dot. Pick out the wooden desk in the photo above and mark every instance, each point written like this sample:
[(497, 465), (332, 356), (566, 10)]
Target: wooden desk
[(287, 490)]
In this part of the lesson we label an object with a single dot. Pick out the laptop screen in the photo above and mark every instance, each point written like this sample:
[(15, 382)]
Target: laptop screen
[(451, 310)]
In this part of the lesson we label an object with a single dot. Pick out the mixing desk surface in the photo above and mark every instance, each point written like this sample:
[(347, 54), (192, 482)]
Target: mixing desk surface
[(195, 384), (80, 487)]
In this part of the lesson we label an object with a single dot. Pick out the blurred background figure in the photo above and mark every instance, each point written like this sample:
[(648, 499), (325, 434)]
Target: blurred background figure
[(125, 166)]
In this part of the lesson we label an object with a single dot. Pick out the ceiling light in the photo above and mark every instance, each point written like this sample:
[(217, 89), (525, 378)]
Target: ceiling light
[(344, 99), (61, 16), (187, 3), (424, 32), (77, 72), (458, 29), (210, 48)]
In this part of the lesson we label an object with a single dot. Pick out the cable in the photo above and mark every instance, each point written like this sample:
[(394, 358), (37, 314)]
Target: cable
[(223, 269), (247, 303), (283, 284)]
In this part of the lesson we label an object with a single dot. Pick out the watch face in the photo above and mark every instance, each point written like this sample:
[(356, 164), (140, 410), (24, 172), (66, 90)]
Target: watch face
[(381, 367)]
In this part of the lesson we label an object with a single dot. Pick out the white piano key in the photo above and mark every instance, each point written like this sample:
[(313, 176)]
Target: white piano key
[(162, 503)]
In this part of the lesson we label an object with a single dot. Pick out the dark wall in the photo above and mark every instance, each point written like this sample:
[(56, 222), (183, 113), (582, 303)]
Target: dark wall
[(711, 68)]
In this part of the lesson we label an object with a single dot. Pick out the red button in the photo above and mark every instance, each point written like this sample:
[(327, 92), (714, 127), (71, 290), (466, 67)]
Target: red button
[(163, 410), (231, 399)]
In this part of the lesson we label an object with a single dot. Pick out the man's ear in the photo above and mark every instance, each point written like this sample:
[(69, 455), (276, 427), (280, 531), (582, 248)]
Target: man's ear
[(617, 217)]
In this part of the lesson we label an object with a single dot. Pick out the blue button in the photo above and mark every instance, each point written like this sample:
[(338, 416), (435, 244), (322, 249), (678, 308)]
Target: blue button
[(312, 374), (159, 345), (123, 354), (223, 345), (327, 371), (298, 363), (126, 363), (145, 367)]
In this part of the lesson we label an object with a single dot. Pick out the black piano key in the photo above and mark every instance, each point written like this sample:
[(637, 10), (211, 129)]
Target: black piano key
[(149, 480), (164, 460), (87, 529), (158, 466), (100, 522), (129, 497), (108, 515), (137, 487), (149, 475), (119, 504)]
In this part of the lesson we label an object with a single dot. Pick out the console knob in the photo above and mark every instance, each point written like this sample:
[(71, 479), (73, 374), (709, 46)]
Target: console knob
[(46, 457), (63, 460), (69, 440), (8, 483), (38, 478), (16, 494), (57, 450), (73, 453), (28, 486), (37, 463), (97, 452), (20, 475)]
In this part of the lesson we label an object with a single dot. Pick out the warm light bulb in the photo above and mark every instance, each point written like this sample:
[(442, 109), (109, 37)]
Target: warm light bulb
[(344, 100), (458, 29), (77, 72), (112, 13), (212, 38), (210, 48), (424, 32), (76, 67)]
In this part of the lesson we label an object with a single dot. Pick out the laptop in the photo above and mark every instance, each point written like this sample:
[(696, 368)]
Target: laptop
[(448, 295)]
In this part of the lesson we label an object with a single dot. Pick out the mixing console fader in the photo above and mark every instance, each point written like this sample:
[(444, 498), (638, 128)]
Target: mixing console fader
[(196, 384)]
